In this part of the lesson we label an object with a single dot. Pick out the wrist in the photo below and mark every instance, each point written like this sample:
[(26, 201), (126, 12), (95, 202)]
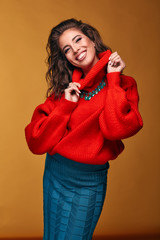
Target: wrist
[(113, 78), (112, 71)]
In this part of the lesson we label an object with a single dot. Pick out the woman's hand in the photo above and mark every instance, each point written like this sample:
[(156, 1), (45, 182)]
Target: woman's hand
[(115, 63), (72, 92)]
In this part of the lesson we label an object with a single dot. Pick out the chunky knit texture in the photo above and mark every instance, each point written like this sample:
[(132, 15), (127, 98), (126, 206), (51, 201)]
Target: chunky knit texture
[(88, 131)]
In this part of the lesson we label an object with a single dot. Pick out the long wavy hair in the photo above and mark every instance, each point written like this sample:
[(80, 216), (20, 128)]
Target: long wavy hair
[(60, 70)]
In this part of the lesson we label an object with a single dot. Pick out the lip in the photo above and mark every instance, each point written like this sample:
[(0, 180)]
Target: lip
[(84, 56)]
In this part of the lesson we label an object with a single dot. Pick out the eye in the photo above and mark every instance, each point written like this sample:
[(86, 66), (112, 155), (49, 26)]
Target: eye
[(78, 39), (66, 50)]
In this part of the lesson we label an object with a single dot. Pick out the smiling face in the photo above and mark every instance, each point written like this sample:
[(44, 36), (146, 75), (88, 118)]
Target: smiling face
[(79, 49)]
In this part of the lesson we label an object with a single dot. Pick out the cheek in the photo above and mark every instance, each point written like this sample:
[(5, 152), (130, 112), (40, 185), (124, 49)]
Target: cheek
[(69, 58), (91, 46)]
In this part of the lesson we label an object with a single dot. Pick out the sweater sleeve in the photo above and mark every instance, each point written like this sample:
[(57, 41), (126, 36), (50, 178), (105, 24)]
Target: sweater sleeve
[(120, 117), (48, 125)]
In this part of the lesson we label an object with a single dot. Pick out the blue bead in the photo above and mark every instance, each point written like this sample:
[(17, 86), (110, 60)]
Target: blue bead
[(88, 95)]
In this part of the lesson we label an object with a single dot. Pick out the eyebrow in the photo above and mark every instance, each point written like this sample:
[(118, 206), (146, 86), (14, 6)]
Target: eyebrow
[(72, 41)]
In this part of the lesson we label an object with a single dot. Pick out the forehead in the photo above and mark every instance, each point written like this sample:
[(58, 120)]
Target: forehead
[(68, 35)]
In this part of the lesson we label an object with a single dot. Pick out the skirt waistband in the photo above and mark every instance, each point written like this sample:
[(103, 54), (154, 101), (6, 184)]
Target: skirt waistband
[(63, 167)]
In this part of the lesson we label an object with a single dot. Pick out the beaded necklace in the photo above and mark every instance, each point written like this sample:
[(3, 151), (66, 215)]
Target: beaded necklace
[(88, 95)]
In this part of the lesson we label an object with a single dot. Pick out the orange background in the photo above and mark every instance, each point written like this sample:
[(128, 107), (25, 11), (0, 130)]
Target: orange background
[(132, 29)]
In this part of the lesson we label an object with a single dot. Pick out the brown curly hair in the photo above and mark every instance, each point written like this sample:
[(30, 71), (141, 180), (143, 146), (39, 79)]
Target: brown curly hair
[(60, 70)]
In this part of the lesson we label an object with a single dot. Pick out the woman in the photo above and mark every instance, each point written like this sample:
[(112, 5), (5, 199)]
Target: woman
[(90, 107)]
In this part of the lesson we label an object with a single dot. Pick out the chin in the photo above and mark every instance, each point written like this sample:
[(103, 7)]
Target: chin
[(88, 63)]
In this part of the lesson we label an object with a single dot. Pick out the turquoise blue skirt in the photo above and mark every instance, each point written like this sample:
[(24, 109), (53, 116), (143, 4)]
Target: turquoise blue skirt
[(73, 197)]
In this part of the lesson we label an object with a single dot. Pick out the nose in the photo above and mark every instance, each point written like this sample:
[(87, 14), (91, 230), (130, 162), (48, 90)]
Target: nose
[(75, 48)]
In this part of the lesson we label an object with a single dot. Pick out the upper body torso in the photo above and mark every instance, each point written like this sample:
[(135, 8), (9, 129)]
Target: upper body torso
[(88, 131)]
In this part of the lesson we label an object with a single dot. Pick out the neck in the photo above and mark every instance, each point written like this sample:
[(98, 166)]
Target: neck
[(86, 70), (96, 73)]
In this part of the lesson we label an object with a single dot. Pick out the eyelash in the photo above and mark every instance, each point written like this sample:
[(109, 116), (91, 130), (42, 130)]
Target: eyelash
[(66, 50), (77, 40)]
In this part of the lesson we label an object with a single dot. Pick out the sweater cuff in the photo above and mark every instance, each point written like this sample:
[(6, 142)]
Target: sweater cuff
[(65, 107), (113, 79)]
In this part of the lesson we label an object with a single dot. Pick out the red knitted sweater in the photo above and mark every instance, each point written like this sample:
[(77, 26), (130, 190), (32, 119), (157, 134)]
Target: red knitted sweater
[(88, 131)]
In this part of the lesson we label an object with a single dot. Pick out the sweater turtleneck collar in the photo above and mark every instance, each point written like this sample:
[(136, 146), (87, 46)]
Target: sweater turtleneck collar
[(97, 72)]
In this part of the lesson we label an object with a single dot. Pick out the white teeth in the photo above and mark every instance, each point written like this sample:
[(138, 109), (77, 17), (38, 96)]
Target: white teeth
[(81, 56)]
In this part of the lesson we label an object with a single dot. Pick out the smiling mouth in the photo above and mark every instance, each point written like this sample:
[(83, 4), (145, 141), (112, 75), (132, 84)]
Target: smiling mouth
[(81, 56)]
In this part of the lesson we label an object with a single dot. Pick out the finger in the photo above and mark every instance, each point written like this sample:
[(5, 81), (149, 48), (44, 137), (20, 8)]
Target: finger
[(116, 60), (75, 93), (116, 64), (119, 63), (113, 62), (72, 87), (113, 55), (78, 84), (75, 83), (116, 57)]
